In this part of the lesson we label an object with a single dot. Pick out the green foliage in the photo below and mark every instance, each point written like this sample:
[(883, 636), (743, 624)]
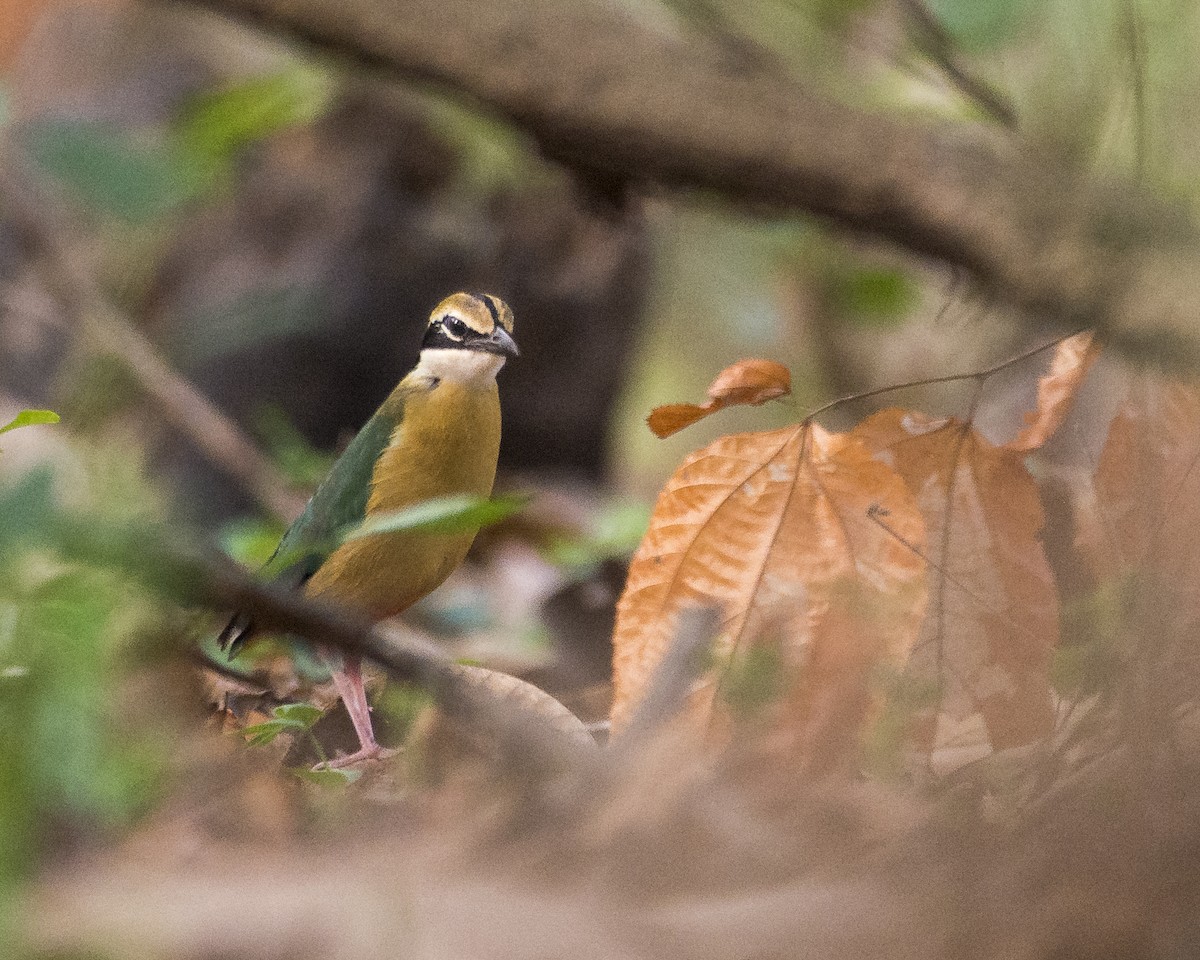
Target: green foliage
[(28, 418), (403, 703), (251, 540), (81, 756), (217, 124), (616, 533), (977, 24), (453, 514), (101, 388), (889, 734), (299, 719), (839, 15), (134, 179), (139, 176), (1094, 625), (873, 296), (491, 156), (26, 514), (302, 463), (753, 679), (67, 761), (289, 718), (261, 316)]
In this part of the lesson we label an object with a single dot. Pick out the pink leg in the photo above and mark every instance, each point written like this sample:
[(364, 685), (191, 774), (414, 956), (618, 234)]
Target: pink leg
[(349, 683)]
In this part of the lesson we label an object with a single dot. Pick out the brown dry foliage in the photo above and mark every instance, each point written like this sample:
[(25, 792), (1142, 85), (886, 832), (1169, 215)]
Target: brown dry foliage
[(1072, 360), (752, 382), (909, 544)]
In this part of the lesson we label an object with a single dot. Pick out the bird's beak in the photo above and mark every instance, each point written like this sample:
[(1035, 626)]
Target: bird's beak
[(501, 342)]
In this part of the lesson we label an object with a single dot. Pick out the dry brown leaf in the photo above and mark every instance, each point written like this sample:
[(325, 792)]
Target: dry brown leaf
[(993, 616), (1145, 506), (1057, 390), (673, 417), (774, 529), (750, 382)]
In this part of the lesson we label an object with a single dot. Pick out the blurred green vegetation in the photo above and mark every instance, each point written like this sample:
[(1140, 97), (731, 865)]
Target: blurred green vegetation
[(136, 176), (81, 760)]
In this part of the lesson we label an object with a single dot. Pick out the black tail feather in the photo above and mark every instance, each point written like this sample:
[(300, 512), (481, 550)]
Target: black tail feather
[(237, 631)]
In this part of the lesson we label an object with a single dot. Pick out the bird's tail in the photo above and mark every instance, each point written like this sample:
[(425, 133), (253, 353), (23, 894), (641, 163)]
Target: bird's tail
[(237, 631)]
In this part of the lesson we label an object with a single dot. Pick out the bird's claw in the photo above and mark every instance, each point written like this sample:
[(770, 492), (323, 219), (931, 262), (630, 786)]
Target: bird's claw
[(372, 752)]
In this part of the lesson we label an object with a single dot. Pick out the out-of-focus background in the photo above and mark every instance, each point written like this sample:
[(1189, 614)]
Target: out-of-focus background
[(223, 225)]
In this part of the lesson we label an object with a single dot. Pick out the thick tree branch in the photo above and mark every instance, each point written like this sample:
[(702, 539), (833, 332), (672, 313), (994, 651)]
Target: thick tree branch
[(645, 102)]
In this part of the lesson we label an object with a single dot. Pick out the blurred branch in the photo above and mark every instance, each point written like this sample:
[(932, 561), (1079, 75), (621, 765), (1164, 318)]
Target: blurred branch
[(624, 99), (1134, 28), (150, 555), (940, 47), (34, 216)]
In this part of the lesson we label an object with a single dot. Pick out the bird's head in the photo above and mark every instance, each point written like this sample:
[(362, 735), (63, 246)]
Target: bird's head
[(471, 321), (468, 338)]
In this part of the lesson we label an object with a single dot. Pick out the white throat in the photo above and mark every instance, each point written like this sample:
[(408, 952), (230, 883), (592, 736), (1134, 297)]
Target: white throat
[(460, 366)]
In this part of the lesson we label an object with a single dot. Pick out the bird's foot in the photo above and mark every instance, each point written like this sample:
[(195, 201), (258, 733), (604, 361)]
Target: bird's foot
[(372, 752)]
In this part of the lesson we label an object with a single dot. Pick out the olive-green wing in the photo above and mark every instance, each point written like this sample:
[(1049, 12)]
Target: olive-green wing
[(339, 502)]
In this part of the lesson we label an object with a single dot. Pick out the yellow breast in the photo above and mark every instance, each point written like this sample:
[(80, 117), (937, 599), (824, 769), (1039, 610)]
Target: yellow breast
[(446, 443)]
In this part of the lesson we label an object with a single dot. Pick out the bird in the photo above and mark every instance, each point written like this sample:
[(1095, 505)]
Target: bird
[(437, 434)]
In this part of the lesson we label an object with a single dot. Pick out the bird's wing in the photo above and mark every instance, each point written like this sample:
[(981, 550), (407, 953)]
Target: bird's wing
[(339, 502)]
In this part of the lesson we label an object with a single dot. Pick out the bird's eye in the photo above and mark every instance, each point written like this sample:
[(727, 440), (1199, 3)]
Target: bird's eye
[(454, 326)]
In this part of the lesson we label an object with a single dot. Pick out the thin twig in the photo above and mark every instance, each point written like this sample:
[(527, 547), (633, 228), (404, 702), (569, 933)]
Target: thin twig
[(28, 208)]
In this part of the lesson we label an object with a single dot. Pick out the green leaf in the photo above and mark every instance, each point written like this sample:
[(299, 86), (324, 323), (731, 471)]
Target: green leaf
[(293, 717), (220, 122), (139, 176), (260, 734), (874, 296), (977, 24), (337, 777), (455, 514), (133, 178), (27, 418), (615, 533), (752, 679), (403, 703), (251, 540), (27, 510), (301, 715), (259, 318)]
